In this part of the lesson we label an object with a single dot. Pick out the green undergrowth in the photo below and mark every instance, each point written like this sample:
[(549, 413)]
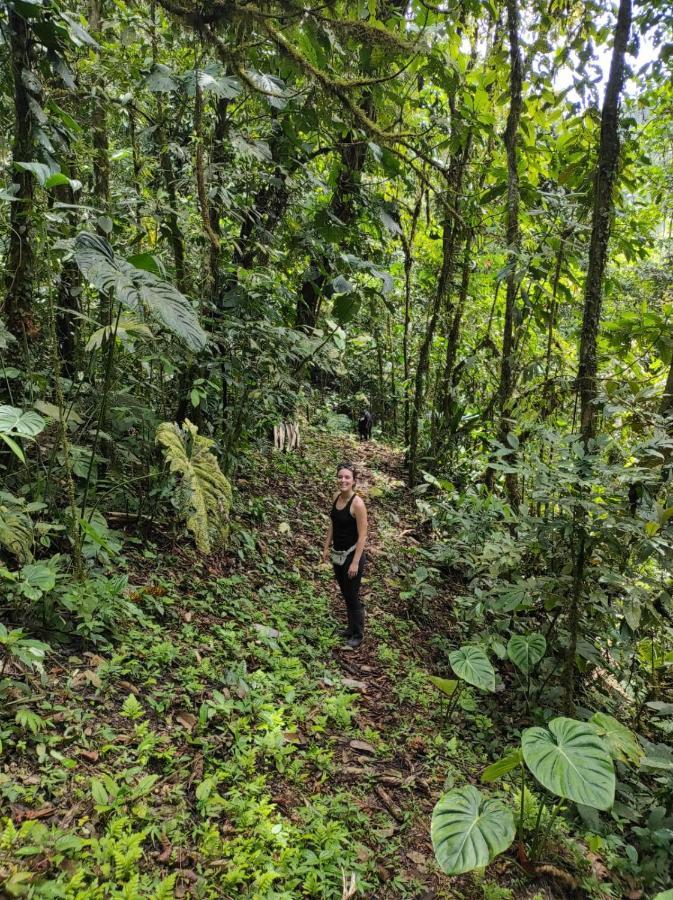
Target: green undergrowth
[(204, 750)]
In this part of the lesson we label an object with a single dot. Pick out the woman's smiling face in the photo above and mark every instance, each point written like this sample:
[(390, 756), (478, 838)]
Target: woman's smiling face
[(345, 480)]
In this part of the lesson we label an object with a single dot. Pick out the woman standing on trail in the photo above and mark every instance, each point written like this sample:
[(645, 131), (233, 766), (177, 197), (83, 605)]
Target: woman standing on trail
[(346, 536)]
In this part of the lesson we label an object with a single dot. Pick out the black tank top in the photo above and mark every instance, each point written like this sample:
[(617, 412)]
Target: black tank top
[(344, 526)]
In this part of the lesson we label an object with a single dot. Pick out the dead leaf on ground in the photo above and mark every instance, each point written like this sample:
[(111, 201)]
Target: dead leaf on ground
[(187, 720), (418, 859), (94, 659), (91, 755), (294, 737), (22, 813), (127, 686), (362, 746), (353, 683)]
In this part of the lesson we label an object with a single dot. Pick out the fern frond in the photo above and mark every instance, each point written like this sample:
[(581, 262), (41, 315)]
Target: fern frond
[(138, 289), (205, 493)]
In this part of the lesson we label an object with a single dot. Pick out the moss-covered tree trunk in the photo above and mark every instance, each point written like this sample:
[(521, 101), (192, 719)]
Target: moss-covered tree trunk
[(603, 209), (20, 259), (505, 392)]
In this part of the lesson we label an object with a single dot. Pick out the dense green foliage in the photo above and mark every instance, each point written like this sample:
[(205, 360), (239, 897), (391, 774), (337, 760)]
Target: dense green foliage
[(219, 217)]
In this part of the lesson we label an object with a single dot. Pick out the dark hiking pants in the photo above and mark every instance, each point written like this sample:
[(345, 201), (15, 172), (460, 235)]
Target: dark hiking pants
[(350, 589)]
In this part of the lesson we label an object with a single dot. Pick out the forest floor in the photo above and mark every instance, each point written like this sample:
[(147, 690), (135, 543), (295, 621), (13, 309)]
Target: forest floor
[(227, 745)]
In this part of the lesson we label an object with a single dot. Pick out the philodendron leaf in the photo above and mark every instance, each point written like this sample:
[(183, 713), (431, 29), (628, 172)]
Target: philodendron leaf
[(526, 650), (445, 685), (468, 830), (20, 422), (621, 742), (571, 761), (472, 665)]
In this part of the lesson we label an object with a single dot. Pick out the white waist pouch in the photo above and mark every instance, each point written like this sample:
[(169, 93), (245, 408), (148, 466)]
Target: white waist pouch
[(339, 556)]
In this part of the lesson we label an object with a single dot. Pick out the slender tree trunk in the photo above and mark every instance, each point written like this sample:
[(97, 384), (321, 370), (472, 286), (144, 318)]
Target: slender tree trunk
[(218, 155), (408, 246), (446, 390), (393, 377), (603, 208), (99, 138), (18, 299), (69, 291), (666, 406), (449, 240), (513, 242)]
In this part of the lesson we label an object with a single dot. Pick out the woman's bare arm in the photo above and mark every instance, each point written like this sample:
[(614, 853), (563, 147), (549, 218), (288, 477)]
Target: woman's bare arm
[(360, 513)]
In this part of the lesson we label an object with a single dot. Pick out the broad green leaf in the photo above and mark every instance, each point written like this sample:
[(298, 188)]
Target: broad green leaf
[(502, 766), (571, 761), (138, 289), (621, 742), (56, 179), (446, 685), (98, 792), (664, 895), (468, 830), (20, 423), (40, 576), (472, 665), (661, 708), (161, 80), (526, 650), (144, 786), (40, 170)]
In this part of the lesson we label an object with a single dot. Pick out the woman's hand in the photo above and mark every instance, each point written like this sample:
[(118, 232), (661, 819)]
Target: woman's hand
[(353, 569)]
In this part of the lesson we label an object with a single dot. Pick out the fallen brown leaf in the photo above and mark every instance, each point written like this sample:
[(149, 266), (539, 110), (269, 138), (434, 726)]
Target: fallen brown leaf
[(187, 720), (362, 746), (91, 755)]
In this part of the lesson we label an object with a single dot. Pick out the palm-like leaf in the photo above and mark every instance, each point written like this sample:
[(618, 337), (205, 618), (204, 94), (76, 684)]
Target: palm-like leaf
[(138, 289)]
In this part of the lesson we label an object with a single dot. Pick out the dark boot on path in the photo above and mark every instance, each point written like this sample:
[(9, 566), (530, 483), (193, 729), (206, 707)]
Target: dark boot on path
[(358, 618), (349, 630)]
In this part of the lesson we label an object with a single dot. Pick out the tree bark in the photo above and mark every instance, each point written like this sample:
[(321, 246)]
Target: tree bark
[(603, 208), (513, 241), (449, 240), (18, 299), (408, 245)]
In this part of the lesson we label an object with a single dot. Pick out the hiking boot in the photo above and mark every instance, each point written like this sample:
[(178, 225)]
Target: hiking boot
[(358, 635), (346, 632)]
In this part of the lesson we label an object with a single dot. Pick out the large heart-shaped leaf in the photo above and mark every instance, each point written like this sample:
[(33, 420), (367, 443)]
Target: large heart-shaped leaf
[(621, 742), (20, 422), (472, 665), (468, 830), (571, 761), (526, 650)]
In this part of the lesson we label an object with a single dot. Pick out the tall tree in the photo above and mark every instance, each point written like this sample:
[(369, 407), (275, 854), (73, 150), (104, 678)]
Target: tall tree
[(601, 221), (505, 393), (19, 275)]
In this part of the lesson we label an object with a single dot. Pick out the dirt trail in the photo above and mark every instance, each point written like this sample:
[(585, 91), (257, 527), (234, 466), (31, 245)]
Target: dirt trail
[(399, 784)]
